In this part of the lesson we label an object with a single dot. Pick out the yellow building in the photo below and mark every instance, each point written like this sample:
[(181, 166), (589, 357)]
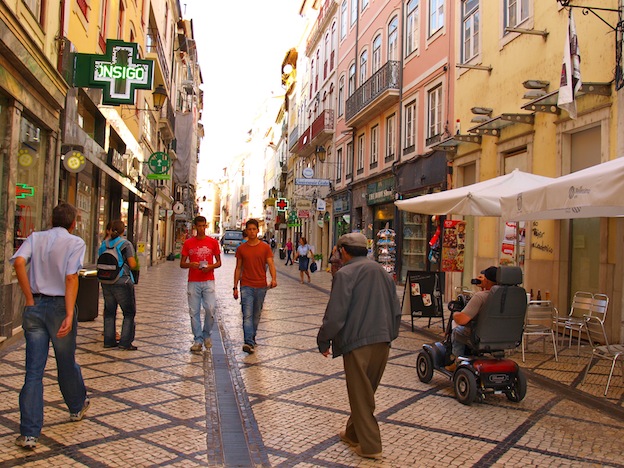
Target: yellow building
[(508, 77)]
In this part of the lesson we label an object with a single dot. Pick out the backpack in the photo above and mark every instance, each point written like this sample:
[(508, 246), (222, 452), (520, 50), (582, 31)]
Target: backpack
[(110, 261)]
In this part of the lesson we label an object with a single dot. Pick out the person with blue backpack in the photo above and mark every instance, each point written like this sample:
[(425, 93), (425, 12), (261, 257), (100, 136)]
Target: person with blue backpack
[(114, 265)]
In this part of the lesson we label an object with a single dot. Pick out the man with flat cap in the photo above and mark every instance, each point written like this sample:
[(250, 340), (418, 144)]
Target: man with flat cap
[(463, 319), (361, 320)]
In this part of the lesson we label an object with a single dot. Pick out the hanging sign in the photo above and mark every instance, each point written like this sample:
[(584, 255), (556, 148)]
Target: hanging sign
[(282, 204), (119, 72), (74, 161)]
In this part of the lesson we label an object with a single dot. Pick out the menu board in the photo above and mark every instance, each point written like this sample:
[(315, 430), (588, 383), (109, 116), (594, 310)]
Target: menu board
[(453, 245), (423, 294)]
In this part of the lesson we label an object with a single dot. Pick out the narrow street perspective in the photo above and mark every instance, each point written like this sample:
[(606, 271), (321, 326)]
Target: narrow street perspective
[(285, 404)]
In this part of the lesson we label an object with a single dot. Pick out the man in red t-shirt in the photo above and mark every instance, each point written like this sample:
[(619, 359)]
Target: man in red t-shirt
[(201, 255), (252, 259)]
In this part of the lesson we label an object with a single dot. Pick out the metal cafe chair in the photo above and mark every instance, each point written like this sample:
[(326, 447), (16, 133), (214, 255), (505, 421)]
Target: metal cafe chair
[(575, 320), (539, 321), (601, 348)]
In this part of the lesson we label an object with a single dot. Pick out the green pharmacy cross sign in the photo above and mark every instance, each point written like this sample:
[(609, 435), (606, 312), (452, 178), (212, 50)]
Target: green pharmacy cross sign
[(159, 165), (119, 72)]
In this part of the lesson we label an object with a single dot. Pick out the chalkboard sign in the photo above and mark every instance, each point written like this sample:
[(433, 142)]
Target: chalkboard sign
[(423, 295)]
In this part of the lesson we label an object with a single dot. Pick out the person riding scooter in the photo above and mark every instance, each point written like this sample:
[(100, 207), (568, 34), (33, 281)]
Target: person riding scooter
[(464, 319)]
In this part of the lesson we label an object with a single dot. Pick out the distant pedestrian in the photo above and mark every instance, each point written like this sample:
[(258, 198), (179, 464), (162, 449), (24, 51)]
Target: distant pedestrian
[(273, 243), (252, 259), (362, 318), (304, 252), (289, 251), (121, 292), (50, 287), (202, 256), (335, 261)]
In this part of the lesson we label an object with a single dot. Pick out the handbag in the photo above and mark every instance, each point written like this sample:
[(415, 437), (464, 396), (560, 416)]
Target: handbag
[(313, 267), (310, 255)]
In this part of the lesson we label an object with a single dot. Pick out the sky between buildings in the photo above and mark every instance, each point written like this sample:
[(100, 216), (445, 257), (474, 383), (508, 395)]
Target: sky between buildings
[(241, 45)]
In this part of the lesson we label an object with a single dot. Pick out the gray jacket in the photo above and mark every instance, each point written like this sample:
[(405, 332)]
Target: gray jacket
[(363, 308)]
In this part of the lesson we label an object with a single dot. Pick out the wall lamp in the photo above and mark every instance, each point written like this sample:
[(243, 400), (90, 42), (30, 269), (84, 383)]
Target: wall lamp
[(321, 153), (159, 97)]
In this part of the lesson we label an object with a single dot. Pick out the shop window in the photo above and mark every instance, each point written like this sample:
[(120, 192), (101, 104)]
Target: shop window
[(31, 158), (35, 8)]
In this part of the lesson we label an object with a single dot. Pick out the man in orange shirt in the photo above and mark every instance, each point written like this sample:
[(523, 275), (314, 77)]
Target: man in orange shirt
[(252, 259), (201, 255)]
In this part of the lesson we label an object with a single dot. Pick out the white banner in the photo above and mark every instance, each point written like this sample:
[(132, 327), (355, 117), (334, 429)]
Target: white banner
[(320, 204), (570, 71)]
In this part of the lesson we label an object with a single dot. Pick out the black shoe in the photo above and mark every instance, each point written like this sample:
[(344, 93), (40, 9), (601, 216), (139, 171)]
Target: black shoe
[(110, 345), (128, 348)]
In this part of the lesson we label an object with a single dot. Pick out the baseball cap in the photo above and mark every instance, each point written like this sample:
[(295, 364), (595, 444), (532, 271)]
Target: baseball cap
[(354, 239), (490, 273)]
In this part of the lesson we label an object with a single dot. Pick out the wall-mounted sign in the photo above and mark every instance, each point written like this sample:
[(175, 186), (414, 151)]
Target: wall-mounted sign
[(282, 204), (119, 72), (74, 161), (159, 162), (314, 182), (308, 172), (25, 157), (23, 191), (303, 204)]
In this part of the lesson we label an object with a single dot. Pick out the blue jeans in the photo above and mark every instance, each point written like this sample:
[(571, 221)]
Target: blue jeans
[(41, 323), (201, 293), (122, 294), (461, 331), (289, 257), (252, 300)]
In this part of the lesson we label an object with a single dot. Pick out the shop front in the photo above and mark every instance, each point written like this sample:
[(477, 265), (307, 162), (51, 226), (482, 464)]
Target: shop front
[(414, 230), (341, 215)]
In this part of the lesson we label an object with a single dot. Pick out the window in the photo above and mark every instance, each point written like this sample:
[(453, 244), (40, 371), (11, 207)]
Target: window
[(393, 31), (413, 18), (360, 155), (349, 162), (332, 58), (470, 29), (377, 53), (363, 66), (390, 137), (84, 7), (343, 20), (120, 21), (436, 16), (103, 21), (35, 8), (516, 11), (434, 110), (374, 150), (351, 89), (326, 55), (354, 11), (339, 164), (410, 126), (364, 4), (341, 95)]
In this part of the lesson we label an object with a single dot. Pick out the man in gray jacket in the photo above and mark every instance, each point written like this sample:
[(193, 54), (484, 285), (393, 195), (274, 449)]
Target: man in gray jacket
[(361, 319)]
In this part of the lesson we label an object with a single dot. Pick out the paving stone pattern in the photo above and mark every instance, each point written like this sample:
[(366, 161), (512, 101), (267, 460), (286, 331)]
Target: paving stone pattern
[(285, 404)]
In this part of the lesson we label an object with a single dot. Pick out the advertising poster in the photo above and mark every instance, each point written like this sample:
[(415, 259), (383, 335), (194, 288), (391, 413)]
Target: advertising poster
[(453, 245), (513, 235)]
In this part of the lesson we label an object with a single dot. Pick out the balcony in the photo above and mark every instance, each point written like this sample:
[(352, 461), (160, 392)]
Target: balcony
[(293, 139), (321, 129), (153, 46), (166, 121), (376, 95)]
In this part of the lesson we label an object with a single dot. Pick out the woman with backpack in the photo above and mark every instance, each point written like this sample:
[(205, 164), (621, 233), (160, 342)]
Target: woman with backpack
[(116, 259)]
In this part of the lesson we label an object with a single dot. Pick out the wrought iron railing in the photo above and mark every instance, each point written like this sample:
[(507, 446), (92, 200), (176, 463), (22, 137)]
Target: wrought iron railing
[(386, 78)]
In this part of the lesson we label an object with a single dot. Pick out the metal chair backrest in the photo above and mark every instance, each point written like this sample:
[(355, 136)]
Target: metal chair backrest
[(599, 306), (596, 331), (540, 313), (581, 304)]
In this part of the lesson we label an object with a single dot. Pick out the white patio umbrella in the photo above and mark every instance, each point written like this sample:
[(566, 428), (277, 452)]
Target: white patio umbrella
[(597, 191), (480, 199)]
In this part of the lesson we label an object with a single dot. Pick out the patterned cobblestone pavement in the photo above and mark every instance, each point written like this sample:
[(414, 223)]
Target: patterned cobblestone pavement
[(285, 404)]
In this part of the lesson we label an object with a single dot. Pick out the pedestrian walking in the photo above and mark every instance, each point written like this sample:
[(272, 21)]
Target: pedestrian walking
[(252, 259), (119, 291), (304, 252), (335, 261), (50, 287), (361, 319), (202, 256), (289, 251), (107, 236)]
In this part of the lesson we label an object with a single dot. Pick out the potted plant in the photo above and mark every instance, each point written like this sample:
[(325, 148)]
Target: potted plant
[(318, 259)]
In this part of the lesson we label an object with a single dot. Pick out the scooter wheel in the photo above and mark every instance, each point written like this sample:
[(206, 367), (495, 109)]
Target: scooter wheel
[(465, 385), (518, 389), (424, 366)]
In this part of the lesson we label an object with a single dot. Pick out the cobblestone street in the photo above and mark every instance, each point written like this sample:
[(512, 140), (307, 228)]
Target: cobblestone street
[(285, 404)]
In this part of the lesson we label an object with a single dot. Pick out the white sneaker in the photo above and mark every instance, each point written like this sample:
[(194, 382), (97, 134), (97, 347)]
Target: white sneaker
[(74, 417), (27, 442)]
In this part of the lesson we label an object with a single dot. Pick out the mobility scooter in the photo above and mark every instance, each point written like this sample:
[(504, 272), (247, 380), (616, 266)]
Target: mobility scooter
[(499, 326)]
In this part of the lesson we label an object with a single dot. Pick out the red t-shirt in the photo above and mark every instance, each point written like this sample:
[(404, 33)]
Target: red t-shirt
[(201, 250), (254, 263)]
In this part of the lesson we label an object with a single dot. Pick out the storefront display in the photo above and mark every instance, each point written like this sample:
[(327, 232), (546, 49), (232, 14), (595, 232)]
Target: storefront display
[(453, 245), (414, 243), (386, 249)]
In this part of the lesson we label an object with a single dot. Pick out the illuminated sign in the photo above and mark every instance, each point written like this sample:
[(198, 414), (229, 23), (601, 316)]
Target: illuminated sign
[(158, 162), (119, 72), (23, 191)]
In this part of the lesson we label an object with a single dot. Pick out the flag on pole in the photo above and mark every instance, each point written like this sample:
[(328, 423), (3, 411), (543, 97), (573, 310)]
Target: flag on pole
[(570, 71)]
